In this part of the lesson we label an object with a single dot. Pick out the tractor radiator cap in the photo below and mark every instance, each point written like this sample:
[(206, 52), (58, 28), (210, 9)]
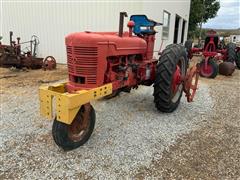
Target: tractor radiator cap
[(226, 68)]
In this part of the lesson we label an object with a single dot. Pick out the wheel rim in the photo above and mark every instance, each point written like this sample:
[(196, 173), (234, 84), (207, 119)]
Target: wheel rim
[(80, 125), (49, 63), (206, 71), (177, 86)]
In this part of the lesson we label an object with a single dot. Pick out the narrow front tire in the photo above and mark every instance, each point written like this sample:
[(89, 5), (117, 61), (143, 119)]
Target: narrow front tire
[(72, 136)]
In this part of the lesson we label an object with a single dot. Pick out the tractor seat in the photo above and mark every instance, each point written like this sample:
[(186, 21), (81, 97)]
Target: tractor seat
[(143, 25)]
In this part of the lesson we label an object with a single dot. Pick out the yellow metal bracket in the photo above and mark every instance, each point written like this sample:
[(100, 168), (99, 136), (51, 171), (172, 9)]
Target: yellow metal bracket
[(67, 104)]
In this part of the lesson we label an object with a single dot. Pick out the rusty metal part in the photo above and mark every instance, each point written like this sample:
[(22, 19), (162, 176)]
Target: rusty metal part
[(9, 60), (12, 55), (191, 82), (226, 68), (80, 125), (32, 62), (49, 63)]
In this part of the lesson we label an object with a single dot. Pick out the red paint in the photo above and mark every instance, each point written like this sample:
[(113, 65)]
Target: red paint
[(206, 70), (176, 80), (98, 58), (94, 58)]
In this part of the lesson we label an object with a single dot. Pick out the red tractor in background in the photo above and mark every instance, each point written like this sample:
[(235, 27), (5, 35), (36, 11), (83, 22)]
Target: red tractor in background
[(12, 55), (103, 64), (212, 52)]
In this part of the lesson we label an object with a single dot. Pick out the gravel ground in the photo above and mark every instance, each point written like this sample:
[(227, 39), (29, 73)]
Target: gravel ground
[(131, 138)]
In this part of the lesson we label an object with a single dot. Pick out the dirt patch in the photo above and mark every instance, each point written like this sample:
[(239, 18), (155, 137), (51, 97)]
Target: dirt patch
[(11, 78)]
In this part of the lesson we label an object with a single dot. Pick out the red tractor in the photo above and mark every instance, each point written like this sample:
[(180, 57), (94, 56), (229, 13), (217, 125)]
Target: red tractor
[(103, 64), (213, 51)]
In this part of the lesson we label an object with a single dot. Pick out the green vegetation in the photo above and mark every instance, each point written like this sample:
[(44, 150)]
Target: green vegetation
[(201, 11)]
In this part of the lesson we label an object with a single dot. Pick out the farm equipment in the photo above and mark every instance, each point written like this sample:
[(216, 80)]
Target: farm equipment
[(103, 64), (12, 55), (49, 63), (212, 52)]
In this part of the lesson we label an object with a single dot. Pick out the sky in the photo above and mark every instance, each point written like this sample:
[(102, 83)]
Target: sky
[(228, 16)]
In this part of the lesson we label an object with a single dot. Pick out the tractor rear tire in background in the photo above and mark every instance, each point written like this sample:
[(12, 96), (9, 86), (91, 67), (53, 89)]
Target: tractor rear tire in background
[(212, 68), (72, 136), (173, 58), (231, 53), (237, 61), (188, 47)]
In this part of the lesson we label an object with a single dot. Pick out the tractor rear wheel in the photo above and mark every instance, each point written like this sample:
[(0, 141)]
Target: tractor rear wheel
[(237, 61), (231, 53), (188, 47), (168, 85), (211, 70), (76, 134)]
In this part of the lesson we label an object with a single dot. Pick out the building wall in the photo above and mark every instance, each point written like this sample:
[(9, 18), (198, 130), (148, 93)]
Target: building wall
[(235, 38), (51, 21)]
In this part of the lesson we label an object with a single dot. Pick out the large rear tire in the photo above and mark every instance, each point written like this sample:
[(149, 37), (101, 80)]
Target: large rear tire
[(237, 61), (76, 134), (188, 47), (167, 91), (231, 53)]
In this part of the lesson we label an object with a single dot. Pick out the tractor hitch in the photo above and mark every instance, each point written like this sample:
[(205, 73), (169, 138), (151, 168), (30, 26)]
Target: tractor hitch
[(190, 82), (67, 104)]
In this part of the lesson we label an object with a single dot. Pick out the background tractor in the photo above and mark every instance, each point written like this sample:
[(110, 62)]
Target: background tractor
[(212, 51), (103, 64), (13, 55)]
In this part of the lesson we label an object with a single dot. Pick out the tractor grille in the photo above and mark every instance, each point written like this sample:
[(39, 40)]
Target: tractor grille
[(82, 62)]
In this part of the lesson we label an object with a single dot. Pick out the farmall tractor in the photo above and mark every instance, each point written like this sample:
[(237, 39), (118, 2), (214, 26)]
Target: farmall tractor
[(102, 64), (213, 52)]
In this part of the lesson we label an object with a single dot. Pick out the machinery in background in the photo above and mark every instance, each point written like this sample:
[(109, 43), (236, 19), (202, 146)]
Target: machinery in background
[(213, 51), (107, 63), (13, 56), (49, 63)]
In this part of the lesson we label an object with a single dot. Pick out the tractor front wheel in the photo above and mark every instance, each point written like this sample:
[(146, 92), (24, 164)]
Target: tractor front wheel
[(209, 71), (76, 134), (168, 86)]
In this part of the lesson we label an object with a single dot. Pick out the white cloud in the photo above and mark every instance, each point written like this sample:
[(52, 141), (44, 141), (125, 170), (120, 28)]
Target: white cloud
[(228, 16)]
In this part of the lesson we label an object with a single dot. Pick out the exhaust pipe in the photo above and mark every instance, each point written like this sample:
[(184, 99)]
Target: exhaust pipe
[(10, 34), (121, 21)]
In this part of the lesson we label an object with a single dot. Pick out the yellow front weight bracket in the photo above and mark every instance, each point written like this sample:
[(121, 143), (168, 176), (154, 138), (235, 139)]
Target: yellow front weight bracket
[(67, 104)]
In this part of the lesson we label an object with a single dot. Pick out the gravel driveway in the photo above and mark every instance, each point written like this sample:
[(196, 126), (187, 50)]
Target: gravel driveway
[(131, 138)]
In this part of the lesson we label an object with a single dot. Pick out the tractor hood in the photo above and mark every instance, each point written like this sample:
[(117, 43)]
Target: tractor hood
[(95, 39)]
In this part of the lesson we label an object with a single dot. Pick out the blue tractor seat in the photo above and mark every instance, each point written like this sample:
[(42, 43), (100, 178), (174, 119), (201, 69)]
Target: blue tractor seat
[(143, 25)]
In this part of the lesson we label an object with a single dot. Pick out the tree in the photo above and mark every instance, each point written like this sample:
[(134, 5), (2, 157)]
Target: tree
[(201, 11)]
